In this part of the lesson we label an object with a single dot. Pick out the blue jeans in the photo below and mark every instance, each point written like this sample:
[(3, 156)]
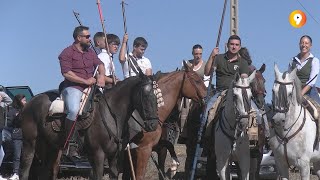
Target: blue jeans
[(210, 103), (72, 98), (17, 146), (314, 94)]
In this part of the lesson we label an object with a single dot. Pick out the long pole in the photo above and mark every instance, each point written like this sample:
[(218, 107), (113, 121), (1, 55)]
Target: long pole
[(79, 21), (125, 31), (106, 41), (203, 119)]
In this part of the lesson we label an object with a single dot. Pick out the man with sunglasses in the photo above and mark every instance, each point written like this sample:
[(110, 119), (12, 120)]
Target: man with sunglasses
[(78, 63), (104, 56), (136, 59)]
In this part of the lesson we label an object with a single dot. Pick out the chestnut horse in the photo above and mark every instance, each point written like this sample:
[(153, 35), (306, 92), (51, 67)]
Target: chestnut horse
[(102, 137), (186, 83)]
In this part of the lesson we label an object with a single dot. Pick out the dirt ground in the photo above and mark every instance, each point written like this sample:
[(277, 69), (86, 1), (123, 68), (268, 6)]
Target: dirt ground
[(152, 173)]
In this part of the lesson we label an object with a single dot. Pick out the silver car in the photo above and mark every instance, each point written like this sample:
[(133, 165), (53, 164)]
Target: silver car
[(268, 169)]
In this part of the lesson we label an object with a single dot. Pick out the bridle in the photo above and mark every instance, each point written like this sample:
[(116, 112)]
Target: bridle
[(188, 75), (247, 107), (281, 105), (246, 102)]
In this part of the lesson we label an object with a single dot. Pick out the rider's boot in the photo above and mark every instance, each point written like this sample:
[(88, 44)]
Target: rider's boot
[(72, 147)]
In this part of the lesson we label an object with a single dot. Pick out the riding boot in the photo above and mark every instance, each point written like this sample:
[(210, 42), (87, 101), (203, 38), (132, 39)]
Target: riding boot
[(72, 148)]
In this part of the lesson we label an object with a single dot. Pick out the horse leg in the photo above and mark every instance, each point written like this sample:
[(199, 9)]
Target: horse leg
[(223, 152), (281, 164), (113, 166), (142, 155), (26, 158), (305, 172), (175, 161), (316, 168), (162, 155), (243, 154), (56, 164), (97, 161)]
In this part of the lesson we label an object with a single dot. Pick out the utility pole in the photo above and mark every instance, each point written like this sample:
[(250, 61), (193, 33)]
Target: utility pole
[(234, 18)]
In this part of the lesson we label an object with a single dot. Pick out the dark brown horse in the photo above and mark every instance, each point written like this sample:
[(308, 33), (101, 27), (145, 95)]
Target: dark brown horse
[(173, 86), (102, 138)]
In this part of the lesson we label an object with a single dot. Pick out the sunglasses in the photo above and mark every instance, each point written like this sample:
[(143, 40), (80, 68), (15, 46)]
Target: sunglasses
[(114, 44), (86, 36)]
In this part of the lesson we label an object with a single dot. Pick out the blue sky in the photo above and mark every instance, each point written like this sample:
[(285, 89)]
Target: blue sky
[(34, 34)]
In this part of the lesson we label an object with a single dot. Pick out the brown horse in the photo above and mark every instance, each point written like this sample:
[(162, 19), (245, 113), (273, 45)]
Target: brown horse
[(102, 137), (173, 85)]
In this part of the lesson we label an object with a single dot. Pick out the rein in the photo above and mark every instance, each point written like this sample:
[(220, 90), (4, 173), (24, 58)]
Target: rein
[(247, 106), (286, 139)]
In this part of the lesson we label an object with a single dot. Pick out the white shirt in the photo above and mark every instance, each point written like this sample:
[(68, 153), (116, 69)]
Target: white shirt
[(144, 63), (6, 100), (105, 58), (314, 68)]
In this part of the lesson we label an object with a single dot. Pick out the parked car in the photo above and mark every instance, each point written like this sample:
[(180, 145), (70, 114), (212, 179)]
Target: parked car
[(268, 169)]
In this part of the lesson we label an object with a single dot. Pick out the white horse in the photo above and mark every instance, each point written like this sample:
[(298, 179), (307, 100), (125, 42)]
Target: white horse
[(230, 130), (293, 136)]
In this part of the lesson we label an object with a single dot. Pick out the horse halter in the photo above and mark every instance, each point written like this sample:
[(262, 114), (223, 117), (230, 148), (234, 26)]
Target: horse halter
[(246, 102), (281, 105), (146, 91), (189, 77)]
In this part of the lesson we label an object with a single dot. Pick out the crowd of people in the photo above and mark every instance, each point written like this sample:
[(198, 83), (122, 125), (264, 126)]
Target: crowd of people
[(78, 63)]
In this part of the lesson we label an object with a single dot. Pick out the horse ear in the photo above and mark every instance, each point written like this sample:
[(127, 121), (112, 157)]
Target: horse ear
[(262, 68), (276, 71), (186, 66), (293, 73), (252, 76)]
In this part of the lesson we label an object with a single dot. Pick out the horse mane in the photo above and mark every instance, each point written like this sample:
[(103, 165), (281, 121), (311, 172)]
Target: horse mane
[(297, 84), (158, 75), (120, 85)]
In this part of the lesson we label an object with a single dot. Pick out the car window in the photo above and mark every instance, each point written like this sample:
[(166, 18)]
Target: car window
[(12, 91)]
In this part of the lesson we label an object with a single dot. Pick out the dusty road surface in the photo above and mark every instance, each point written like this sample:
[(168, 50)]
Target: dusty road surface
[(152, 173)]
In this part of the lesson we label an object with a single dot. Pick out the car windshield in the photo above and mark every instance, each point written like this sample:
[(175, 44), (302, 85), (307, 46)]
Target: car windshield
[(12, 91)]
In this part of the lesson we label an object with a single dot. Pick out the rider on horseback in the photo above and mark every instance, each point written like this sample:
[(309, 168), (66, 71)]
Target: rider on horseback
[(104, 56), (226, 66), (78, 64), (307, 68)]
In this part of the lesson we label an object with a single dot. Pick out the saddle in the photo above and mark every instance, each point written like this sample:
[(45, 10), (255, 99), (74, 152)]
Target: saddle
[(57, 111), (314, 109), (213, 112)]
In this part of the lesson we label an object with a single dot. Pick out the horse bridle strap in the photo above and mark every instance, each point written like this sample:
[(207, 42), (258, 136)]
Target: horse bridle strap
[(285, 140), (224, 131), (283, 90), (246, 100), (283, 83), (117, 140), (193, 84)]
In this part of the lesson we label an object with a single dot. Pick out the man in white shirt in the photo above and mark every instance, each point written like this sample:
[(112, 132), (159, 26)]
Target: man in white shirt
[(135, 58), (104, 56)]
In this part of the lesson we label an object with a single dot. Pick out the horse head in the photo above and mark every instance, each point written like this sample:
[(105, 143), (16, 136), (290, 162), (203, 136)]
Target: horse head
[(258, 87), (241, 98), (193, 86), (145, 101), (286, 90)]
